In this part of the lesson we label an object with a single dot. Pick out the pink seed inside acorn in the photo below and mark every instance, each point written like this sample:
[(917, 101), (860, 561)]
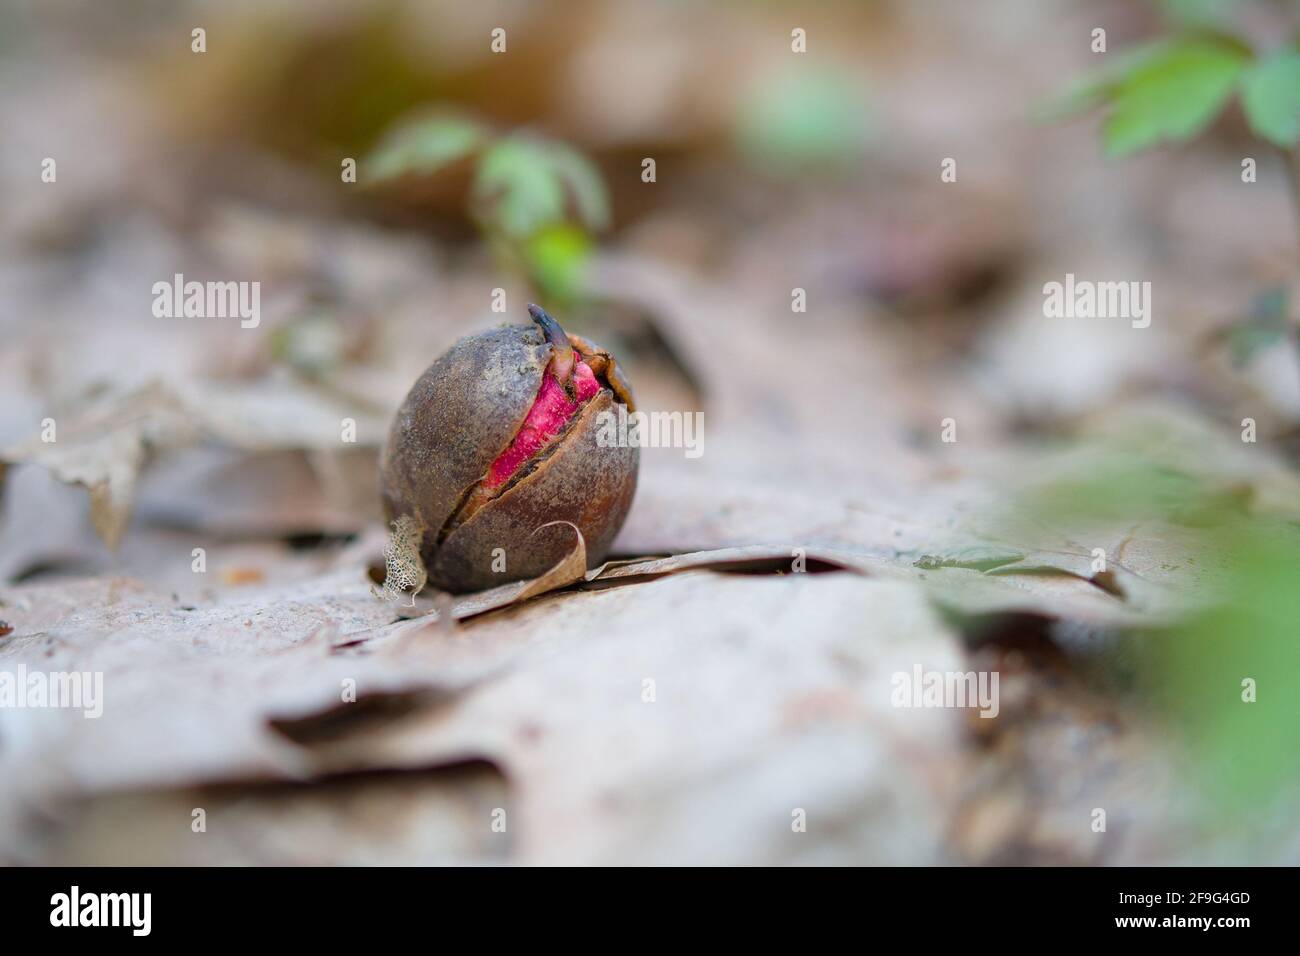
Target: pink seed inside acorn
[(552, 410)]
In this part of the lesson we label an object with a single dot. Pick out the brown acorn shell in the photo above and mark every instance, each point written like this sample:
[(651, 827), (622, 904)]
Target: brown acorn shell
[(457, 418), (579, 482)]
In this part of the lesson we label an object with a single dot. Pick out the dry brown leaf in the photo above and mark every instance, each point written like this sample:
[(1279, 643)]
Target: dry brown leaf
[(105, 448)]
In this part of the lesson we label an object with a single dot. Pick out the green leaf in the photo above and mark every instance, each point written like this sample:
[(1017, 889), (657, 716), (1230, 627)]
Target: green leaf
[(584, 183), (1270, 93), (423, 147), (1100, 86), (1172, 95), (1197, 669), (557, 259), (525, 184)]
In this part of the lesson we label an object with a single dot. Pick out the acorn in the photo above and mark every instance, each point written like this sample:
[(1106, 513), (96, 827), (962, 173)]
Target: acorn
[(494, 452)]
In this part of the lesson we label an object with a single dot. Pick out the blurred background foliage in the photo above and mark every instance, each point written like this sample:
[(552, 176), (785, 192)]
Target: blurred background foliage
[(1238, 621), (537, 202), (1175, 87)]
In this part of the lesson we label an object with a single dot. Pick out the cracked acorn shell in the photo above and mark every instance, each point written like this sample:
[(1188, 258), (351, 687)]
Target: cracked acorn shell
[(498, 438)]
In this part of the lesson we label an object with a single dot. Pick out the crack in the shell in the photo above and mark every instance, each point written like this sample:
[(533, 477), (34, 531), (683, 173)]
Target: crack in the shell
[(467, 507)]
